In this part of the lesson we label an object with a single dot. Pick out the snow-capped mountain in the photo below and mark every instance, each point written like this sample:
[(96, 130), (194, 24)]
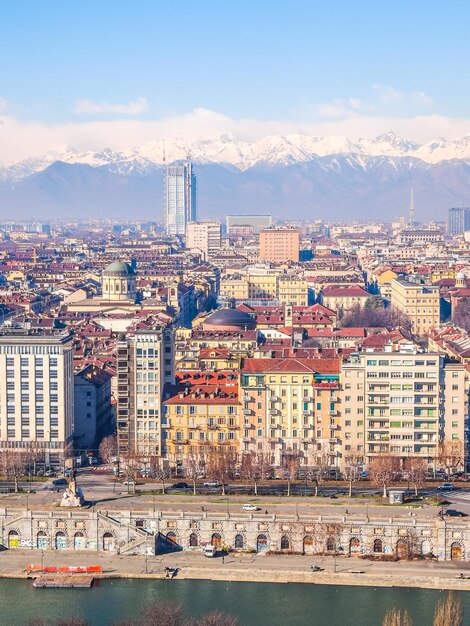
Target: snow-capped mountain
[(331, 177), (274, 150)]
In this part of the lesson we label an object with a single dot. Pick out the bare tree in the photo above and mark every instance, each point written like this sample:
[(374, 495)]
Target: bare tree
[(222, 464), (461, 314), (383, 470), (194, 464), (255, 467), (321, 462), (376, 316), (417, 471), (215, 619), (449, 611), (13, 464), (108, 448), (450, 455), (354, 461), (397, 617), (160, 469), (290, 467)]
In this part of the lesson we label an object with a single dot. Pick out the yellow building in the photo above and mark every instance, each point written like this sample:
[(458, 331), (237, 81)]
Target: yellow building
[(421, 303), (201, 414)]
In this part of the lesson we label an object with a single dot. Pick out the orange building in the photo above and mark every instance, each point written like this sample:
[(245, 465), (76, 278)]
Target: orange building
[(279, 244)]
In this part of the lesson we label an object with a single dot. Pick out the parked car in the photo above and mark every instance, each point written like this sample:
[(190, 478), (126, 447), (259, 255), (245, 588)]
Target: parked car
[(250, 507), (58, 482), (454, 513), (179, 486), (49, 472), (446, 487), (212, 484), (210, 551)]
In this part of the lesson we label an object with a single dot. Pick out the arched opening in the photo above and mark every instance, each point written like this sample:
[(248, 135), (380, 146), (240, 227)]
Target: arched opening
[(79, 541), (108, 542), (239, 543), (60, 541), (13, 539), (285, 543), (193, 540), (171, 538), (308, 544), (456, 552), (42, 540), (354, 545), (330, 544), (378, 545), (216, 540), (426, 547), (402, 549), (261, 543)]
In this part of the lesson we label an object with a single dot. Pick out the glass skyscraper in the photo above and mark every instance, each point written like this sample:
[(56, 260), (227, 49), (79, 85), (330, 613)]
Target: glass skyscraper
[(180, 198), (459, 220)]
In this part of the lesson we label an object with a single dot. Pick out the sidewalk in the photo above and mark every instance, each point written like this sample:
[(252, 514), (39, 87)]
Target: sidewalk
[(252, 568)]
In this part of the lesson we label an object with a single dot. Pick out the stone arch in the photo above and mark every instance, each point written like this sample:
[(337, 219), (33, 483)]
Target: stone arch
[(193, 540), (109, 541), (172, 538), (261, 543), (216, 540), (378, 546), (456, 551), (285, 542), (61, 540), (354, 545), (42, 540), (13, 538), (239, 542), (402, 549), (307, 544), (330, 544), (79, 542), (426, 547)]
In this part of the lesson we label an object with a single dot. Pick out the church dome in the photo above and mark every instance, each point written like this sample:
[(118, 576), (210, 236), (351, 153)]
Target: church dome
[(229, 319), (117, 268), (461, 275)]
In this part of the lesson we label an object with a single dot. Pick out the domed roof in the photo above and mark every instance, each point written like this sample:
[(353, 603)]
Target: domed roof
[(231, 317), (461, 275), (117, 268)]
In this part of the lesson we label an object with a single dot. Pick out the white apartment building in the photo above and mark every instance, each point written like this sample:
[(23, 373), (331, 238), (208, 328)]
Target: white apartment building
[(145, 363), (36, 394), (403, 403), (203, 237)]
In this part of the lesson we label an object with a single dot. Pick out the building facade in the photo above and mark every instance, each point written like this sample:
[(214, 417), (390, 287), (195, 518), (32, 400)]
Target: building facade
[(421, 303), (458, 220), (145, 363), (279, 245), (180, 198), (203, 237), (37, 394)]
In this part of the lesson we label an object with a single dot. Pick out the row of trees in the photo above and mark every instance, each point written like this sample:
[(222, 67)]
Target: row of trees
[(222, 464), (374, 314)]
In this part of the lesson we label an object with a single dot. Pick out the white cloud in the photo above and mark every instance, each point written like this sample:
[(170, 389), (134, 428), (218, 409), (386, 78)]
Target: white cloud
[(21, 139), (421, 98), (134, 107), (3, 105), (386, 93), (335, 108)]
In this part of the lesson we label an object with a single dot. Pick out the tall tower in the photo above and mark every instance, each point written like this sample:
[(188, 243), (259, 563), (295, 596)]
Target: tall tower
[(412, 209), (180, 198)]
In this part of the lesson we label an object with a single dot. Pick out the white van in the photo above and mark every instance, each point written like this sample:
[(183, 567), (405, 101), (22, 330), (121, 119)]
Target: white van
[(210, 551)]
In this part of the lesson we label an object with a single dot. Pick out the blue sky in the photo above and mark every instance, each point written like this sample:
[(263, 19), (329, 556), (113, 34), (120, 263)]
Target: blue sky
[(247, 67)]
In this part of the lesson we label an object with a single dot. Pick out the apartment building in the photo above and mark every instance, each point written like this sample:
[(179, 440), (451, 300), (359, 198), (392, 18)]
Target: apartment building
[(145, 363), (201, 415), (37, 394), (421, 303), (403, 403), (291, 406), (203, 237), (279, 244), (264, 283)]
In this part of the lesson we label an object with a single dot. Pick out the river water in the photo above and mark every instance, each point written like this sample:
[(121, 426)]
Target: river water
[(254, 604)]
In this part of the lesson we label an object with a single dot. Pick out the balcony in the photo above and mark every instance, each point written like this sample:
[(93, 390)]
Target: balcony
[(333, 440), (273, 411), (166, 424), (247, 439), (332, 412), (193, 425), (247, 411)]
